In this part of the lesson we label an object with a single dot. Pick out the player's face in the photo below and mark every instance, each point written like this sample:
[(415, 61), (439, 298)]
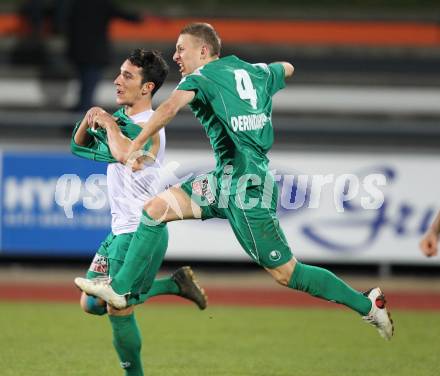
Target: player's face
[(128, 84), (189, 54)]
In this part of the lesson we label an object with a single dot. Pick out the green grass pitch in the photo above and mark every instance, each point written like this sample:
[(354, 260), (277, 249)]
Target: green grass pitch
[(58, 339)]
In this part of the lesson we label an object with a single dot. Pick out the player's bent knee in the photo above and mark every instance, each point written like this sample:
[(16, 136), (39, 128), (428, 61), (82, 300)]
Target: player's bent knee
[(155, 208), (282, 274)]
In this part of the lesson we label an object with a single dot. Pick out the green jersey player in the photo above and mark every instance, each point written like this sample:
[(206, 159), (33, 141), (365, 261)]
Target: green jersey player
[(233, 101), (141, 76)]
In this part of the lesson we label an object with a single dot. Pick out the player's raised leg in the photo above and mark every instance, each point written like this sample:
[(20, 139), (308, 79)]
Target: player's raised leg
[(182, 282), (322, 283), (258, 231), (170, 205), (149, 243)]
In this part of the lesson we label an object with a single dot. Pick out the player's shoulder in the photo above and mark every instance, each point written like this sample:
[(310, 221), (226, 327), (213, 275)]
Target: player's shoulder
[(238, 63), (217, 65), (261, 66), (142, 117), (194, 77)]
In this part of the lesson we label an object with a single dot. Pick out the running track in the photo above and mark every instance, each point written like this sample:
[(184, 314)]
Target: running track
[(221, 296)]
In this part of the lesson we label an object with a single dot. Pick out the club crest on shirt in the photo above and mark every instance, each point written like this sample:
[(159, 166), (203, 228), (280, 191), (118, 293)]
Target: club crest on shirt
[(275, 255), (99, 264)]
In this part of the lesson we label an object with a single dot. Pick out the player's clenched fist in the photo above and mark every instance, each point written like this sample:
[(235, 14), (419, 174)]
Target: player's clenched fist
[(92, 113), (103, 120)]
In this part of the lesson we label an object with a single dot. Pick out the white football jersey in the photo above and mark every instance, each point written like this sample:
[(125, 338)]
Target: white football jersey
[(128, 191)]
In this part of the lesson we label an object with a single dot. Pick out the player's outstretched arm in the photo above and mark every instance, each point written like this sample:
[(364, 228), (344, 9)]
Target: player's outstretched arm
[(429, 242), (288, 69), (161, 117)]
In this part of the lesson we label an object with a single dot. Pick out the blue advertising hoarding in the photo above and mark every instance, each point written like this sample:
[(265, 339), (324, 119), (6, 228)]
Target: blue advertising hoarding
[(33, 223), (37, 219)]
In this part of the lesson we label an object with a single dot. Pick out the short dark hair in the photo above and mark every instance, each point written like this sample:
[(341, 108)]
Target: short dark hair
[(206, 33), (154, 67)]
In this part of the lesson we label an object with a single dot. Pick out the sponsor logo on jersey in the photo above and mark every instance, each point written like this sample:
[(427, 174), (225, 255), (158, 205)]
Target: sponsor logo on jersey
[(99, 264), (252, 122), (203, 188)]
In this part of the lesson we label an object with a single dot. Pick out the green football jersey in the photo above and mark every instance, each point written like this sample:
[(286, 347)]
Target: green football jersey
[(98, 148), (233, 102)]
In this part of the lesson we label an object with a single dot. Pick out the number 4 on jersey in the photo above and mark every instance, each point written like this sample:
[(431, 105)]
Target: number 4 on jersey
[(245, 89)]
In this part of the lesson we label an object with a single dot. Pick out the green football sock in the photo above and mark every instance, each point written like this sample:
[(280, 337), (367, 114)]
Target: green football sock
[(127, 342), (163, 286), (324, 284), (147, 247)]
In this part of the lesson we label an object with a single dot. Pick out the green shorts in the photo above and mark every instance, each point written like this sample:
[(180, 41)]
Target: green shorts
[(251, 212), (109, 259)]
